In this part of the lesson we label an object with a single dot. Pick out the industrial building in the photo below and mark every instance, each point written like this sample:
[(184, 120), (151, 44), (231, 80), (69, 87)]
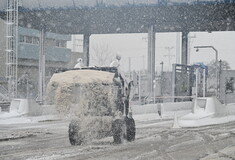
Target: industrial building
[(57, 56)]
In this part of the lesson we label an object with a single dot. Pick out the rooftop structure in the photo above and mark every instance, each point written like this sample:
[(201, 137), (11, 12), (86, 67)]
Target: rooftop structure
[(65, 4), (125, 16)]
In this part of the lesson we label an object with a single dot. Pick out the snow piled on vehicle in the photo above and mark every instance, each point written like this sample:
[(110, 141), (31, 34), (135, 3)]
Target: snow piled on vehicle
[(82, 92), (87, 97)]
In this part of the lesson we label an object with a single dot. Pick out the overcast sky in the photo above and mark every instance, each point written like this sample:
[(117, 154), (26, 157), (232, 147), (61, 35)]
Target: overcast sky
[(135, 46)]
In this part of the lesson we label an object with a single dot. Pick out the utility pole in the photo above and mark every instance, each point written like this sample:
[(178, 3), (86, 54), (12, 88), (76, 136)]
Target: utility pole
[(129, 66), (12, 47), (161, 76), (154, 91), (220, 69), (178, 47), (161, 68), (143, 64), (42, 67), (151, 58), (190, 40), (204, 82), (139, 86), (169, 55)]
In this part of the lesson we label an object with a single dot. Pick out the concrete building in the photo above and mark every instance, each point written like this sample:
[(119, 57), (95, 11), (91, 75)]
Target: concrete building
[(58, 56)]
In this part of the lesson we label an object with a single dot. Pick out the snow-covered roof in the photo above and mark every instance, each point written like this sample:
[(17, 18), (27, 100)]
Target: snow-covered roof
[(63, 4), (82, 77)]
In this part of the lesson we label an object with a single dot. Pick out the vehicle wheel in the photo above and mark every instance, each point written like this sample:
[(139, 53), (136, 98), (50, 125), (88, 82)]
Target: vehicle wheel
[(74, 136), (118, 129), (130, 129)]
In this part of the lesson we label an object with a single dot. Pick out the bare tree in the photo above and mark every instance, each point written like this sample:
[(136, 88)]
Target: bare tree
[(212, 68), (102, 55), (212, 71)]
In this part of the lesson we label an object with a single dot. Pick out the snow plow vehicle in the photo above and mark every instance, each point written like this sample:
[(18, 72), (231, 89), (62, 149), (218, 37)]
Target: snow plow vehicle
[(97, 99)]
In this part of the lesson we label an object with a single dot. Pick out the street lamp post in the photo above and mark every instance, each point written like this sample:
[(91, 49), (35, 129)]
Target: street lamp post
[(154, 87), (216, 63), (161, 80)]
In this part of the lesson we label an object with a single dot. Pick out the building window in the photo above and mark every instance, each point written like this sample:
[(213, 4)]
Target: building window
[(57, 43), (22, 38), (61, 43), (35, 40), (28, 39), (50, 42)]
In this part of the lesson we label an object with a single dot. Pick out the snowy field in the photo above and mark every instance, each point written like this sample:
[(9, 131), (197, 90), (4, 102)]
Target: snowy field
[(42, 139)]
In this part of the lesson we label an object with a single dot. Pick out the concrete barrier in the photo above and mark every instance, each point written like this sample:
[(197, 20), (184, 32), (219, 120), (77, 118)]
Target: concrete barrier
[(144, 109), (175, 107), (208, 111), (36, 109), (162, 108), (31, 108), (19, 106)]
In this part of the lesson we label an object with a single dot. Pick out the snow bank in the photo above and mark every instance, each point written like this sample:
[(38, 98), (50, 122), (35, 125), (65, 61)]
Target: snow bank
[(206, 121), (16, 119), (208, 111), (27, 111), (5, 115)]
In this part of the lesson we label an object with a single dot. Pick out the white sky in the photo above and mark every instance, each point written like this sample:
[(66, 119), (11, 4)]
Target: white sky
[(135, 46)]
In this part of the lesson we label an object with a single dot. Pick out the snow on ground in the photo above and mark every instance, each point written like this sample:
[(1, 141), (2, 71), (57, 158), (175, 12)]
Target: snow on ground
[(50, 141), (146, 117), (6, 115), (15, 118), (227, 153), (206, 121)]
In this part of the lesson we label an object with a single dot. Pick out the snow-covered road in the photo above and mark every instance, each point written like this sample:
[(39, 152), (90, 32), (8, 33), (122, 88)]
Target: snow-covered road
[(155, 140)]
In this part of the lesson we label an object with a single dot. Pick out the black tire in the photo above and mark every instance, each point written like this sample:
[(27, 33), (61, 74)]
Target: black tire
[(118, 130), (74, 136), (130, 129)]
